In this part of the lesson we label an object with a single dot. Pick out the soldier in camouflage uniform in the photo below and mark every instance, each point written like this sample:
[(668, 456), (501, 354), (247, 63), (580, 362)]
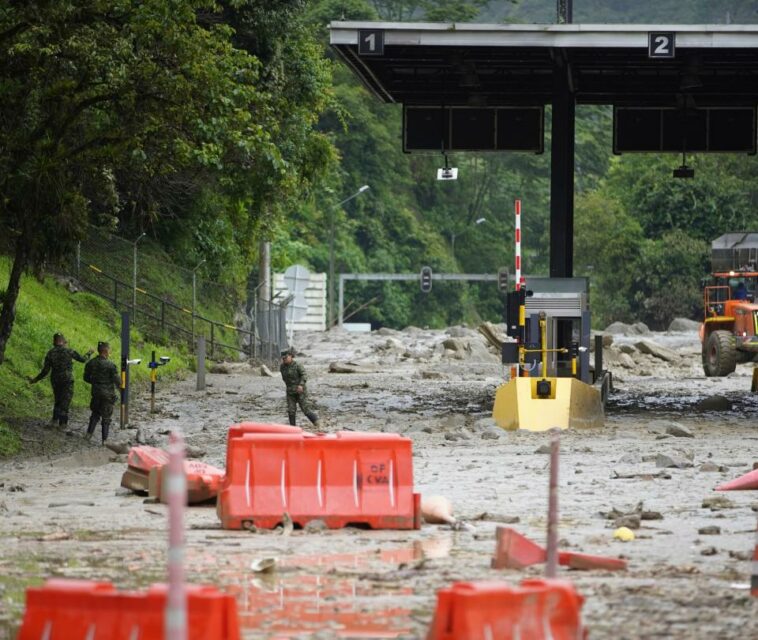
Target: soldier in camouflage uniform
[(293, 374), (102, 374), (59, 363)]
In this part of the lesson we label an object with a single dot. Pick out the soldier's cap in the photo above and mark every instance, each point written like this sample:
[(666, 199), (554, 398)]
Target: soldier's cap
[(288, 352), (103, 345), (58, 337)]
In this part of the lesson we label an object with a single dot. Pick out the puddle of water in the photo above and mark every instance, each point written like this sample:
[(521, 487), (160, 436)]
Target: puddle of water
[(337, 593)]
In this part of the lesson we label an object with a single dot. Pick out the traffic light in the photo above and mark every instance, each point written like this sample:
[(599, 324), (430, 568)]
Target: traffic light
[(502, 279), (426, 279)]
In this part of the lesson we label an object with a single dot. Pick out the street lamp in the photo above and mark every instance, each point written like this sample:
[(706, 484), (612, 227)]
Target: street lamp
[(194, 296), (453, 235), (365, 187), (134, 277)]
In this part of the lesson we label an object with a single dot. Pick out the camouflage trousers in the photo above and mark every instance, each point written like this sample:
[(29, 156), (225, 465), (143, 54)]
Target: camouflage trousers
[(102, 410), (63, 392), (293, 400)]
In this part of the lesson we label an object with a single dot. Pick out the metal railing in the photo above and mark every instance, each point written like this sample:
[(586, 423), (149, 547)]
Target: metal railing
[(261, 338)]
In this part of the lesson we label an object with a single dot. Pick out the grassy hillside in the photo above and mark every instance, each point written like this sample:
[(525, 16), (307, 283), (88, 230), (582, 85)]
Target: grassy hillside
[(44, 308)]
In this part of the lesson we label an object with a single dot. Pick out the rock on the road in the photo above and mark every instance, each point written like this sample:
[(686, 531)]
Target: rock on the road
[(657, 351), (684, 325)]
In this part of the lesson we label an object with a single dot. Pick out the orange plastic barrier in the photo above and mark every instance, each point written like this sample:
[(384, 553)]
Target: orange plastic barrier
[(515, 551), (86, 610), (237, 430), (746, 482), (140, 460), (203, 481), (535, 610), (343, 478)]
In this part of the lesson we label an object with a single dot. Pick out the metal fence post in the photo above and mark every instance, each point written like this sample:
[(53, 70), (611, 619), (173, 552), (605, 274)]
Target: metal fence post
[(341, 302), (200, 386), (254, 327), (213, 326)]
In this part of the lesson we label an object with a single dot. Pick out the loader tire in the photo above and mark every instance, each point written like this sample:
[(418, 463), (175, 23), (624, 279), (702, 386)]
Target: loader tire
[(719, 354)]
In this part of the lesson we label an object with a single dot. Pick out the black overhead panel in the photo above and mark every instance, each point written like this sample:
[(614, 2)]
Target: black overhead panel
[(706, 70)]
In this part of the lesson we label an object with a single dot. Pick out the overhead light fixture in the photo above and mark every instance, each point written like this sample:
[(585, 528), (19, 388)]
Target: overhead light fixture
[(684, 171)]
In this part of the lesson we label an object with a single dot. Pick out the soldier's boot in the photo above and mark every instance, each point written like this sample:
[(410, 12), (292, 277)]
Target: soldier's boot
[(106, 427), (313, 417), (63, 422), (91, 427), (291, 416)]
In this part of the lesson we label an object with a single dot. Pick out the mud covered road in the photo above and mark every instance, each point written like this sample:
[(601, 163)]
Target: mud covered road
[(67, 516)]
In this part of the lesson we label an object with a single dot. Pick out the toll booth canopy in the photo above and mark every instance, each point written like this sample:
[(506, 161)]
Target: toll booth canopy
[(479, 87)]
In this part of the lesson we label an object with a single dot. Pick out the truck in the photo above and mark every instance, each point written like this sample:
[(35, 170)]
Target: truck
[(729, 332)]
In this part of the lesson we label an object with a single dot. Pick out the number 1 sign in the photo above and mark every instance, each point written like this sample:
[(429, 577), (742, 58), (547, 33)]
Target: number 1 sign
[(371, 42)]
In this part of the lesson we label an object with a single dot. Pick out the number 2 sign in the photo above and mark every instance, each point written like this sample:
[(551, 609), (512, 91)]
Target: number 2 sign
[(661, 45), (371, 42)]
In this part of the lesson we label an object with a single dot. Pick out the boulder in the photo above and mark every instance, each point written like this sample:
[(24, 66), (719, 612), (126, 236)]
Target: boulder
[(676, 460), (629, 349), (456, 344), (679, 431), (459, 332), (684, 325), (626, 361), (714, 403), (657, 351), (621, 328)]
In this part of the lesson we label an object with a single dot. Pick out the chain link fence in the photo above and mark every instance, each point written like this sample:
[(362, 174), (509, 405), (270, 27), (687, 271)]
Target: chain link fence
[(170, 301)]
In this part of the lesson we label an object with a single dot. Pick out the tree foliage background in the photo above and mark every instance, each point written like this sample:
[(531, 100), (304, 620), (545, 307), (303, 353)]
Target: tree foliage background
[(214, 124)]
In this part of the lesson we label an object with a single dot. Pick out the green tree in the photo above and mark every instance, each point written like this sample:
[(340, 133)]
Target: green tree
[(94, 89), (667, 279), (607, 245)]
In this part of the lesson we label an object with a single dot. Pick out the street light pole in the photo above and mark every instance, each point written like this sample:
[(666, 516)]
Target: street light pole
[(194, 296), (332, 211), (134, 278)]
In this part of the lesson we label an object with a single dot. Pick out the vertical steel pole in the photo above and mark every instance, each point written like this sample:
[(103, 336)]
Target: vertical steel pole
[(153, 378), (200, 386), (551, 569), (194, 302), (176, 488), (134, 282), (124, 415), (255, 326), (517, 211), (330, 314), (341, 300)]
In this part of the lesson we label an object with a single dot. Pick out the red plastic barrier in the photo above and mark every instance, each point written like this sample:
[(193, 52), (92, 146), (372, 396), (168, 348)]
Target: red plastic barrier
[(748, 481), (140, 460), (344, 478), (203, 481), (535, 610), (85, 610)]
